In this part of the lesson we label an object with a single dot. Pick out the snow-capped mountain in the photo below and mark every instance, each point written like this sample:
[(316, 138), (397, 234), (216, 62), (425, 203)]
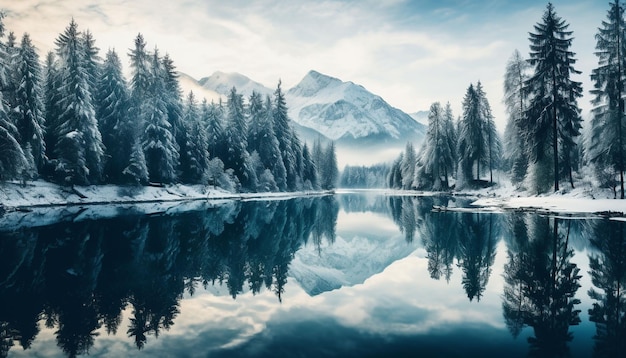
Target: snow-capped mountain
[(345, 111), (222, 83)]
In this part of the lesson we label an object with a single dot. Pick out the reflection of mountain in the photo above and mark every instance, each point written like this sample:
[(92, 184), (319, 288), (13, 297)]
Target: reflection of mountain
[(347, 262), (80, 276)]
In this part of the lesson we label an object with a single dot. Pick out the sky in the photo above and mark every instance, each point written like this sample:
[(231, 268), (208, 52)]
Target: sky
[(410, 52)]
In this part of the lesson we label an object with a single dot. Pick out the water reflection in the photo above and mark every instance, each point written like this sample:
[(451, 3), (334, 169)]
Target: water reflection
[(393, 275), (541, 284), (608, 275), (470, 238), (78, 277)]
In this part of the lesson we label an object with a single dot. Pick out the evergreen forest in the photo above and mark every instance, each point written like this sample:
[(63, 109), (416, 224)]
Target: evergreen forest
[(74, 119)]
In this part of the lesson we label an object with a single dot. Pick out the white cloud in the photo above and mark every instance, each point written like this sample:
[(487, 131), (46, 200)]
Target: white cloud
[(411, 54)]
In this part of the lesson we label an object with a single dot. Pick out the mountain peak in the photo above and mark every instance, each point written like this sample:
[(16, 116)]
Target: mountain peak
[(223, 82), (313, 82), (344, 110)]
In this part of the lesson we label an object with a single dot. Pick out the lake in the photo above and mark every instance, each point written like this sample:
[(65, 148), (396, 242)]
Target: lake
[(355, 274)]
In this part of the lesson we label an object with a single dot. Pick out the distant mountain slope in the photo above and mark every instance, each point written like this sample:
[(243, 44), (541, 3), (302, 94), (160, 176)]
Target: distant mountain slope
[(222, 83), (188, 83), (344, 111), (420, 117)]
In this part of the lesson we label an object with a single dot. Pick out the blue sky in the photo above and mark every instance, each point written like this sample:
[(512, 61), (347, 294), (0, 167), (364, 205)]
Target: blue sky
[(412, 53)]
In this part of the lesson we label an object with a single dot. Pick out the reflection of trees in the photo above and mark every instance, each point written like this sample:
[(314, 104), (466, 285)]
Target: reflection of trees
[(540, 285), (79, 277), (469, 237), (477, 251), (608, 275), (409, 212), (439, 232)]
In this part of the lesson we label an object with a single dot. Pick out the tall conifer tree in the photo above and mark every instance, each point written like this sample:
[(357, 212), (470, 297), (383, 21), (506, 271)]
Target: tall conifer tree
[(607, 145), (553, 116)]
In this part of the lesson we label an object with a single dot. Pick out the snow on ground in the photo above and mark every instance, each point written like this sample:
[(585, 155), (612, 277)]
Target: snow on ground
[(41, 193), (583, 199)]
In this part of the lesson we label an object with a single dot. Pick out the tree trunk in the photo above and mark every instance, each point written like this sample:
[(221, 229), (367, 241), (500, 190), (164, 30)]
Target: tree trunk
[(555, 143)]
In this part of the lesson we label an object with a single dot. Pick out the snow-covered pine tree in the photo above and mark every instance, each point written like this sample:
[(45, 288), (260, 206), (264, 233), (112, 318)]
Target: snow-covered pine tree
[(607, 145), (309, 173), (472, 146), (92, 61), (112, 106), (137, 171), (12, 158), (237, 158), (516, 151), (79, 147), (196, 162), (173, 100), (255, 119), (158, 142), (394, 179), (553, 116), (262, 139), (296, 149), (492, 140), (52, 110), (140, 80), (330, 171), (317, 155), (450, 155), (408, 164), (29, 107), (437, 156), (213, 118), (283, 130)]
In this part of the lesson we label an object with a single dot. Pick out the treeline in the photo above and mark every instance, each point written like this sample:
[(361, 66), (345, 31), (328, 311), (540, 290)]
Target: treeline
[(76, 120), (543, 142), (374, 176)]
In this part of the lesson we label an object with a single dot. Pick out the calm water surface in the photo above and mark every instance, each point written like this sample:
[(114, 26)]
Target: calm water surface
[(350, 275)]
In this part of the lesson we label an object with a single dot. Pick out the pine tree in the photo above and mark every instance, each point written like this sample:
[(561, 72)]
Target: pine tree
[(492, 140), (437, 156), (213, 118), (408, 164), (553, 116), (51, 104), (173, 101), (283, 131), (516, 149), (309, 173), (472, 149), (137, 169), (330, 172), (29, 107), (79, 147), (12, 158), (237, 157), (607, 145), (262, 139), (140, 66), (113, 101), (197, 158), (158, 142)]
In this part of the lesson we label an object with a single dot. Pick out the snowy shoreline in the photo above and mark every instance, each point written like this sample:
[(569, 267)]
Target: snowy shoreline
[(16, 196)]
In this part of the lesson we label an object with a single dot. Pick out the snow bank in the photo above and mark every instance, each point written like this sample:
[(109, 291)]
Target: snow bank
[(14, 195), (581, 200)]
